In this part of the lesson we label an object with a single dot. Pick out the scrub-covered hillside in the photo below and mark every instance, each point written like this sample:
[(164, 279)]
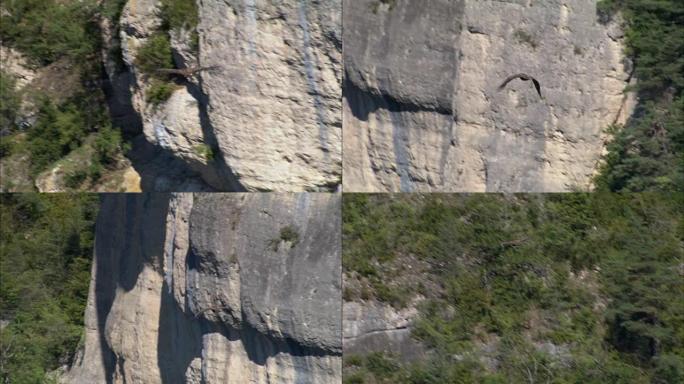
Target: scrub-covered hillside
[(573, 288)]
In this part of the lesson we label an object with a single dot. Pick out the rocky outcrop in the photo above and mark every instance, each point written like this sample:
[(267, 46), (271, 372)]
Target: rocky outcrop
[(370, 326), (422, 110), (270, 111), (16, 65), (214, 288)]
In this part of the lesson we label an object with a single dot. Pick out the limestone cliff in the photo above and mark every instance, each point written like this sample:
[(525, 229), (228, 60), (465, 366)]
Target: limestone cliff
[(214, 288), (269, 112), (422, 111)]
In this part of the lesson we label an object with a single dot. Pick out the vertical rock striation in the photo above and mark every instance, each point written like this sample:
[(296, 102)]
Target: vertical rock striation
[(206, 288), (422, 110), (269, 111)]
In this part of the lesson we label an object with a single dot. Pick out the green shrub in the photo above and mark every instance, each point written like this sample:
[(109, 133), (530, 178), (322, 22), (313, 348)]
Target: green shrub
[(669, 369), (205, 151), (159, 92), (95, 170), (179, 14), (6, 146), (288, 234), (155, 54), (112, 9), (648, 154), (57, 132), (108, 146), (75, 178), (47, 30), (375, 7)]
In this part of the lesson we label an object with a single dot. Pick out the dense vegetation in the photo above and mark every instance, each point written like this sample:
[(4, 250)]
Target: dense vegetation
[(50, 32), (156, 54), (648, 152), (64, 37), (177, 17), (46, 245), (596, 277), (179, 14), (47, 30)]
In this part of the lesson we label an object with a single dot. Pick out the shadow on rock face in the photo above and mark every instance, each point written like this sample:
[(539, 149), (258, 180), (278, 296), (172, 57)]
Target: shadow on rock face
[(130, 232)]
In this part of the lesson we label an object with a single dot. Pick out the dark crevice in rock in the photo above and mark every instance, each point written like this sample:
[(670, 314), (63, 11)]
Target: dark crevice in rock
[(363, 102), (131, 236), (179, 340), (118, 97), (144, 217), (229, 181)]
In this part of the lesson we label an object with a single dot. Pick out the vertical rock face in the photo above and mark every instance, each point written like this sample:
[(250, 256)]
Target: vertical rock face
[(423, 111), (212, 288), (269, 110), (275, 103)]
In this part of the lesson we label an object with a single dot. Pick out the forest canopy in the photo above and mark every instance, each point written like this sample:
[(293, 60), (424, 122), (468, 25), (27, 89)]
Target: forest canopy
[(574, 288), (648, 152), (46, 246)]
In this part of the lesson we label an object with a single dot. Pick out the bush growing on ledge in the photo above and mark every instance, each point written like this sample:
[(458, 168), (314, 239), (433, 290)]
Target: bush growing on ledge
[(205, 151), (56, 132), (159, 92), (375, 7), (155, 54), (108, 145), (288, 234)]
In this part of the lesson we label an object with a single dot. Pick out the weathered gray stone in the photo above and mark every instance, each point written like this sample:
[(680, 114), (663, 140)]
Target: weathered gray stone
[(270, 110), (370, 326), (201, 288), (422, 110)]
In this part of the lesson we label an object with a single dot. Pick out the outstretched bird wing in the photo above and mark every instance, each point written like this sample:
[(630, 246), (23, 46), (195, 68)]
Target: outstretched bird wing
[(170, 71), (538, 87), (525, 77), (209, 68), (186, 71), (510, 78)]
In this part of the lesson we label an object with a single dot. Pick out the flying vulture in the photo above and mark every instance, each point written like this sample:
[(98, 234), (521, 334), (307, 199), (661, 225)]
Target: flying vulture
[(186, 72), (523, 77)]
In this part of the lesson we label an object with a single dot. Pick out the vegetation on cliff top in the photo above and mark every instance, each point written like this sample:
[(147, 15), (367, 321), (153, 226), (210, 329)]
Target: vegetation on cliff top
[(648, 152), (46, 246), (573, 288)]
